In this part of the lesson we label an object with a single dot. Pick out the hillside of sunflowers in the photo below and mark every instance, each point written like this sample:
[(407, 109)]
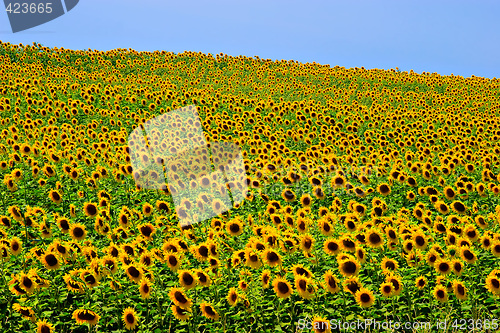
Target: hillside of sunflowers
[(371, 194)]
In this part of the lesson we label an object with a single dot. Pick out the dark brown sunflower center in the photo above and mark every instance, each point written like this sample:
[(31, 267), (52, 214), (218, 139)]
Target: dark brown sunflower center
[(130, 318), (349, 267), (283, 287), (51, 260), (187, 278)]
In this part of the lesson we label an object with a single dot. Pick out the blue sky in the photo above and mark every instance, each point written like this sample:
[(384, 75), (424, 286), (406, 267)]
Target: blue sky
[(459, 37)]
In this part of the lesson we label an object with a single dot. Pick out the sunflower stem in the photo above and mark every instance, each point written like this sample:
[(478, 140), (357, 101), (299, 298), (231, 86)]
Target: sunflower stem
[(3, 204), (344, 307)]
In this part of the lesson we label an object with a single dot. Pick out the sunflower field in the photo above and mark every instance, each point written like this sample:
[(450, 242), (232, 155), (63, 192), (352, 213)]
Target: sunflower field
[(372, 194)]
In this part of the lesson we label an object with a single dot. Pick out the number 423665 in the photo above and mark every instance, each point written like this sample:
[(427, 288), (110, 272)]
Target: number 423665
[(475, 324), (32, 8)]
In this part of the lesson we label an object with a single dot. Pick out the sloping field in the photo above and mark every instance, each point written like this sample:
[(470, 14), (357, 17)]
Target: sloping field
[(373, 194)]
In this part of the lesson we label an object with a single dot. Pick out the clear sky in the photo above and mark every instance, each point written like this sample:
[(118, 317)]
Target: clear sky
[(459, 37)]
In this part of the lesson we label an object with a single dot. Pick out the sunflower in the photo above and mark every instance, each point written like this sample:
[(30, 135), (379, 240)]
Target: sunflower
[(145, 288), (332, 247), (179, 298), (232, 296), (276, 219), (15, 246), (27, 283), (481, 221), (338, 181), (113, 251), (318, 192), (271, 257), (180, 313), (442, 207), (408, 245), (364, 298), (6, 221), (442, 266), (374, 238), (253, 259), (83, 316), (299, 269), (109, 264), (418, 213), (396, 282), (16, 213), (203, 279), (162, 206), (90, 209), (348, 244), (282, 287), (187, 279), (306, 200), (389, 265), (43, 326), (384, 189), (352, 285), (458, 207), (360, 193), (440, 293), (414, 258), (50, 261), (26, 312), (77, 231), (449, 193), (218, 206), (325, 227), (147, 209), (471, 233), (134, 272), (386, 289), (349, 267), (289, 244), (331, 282), (493, 284), (55, 196), (124, 219), (420, 240), (90, 278), (4, 252), (72, 210), (130, 318), (302, 224), (321, 325), (71, 284), (288, 195), (307, 243), (147, 230), (459, 290), (49, 171), (360, 209), (495, 248), (11, 185), (173, 261), (15, 287), (361, 255), (351, 223), (234, 227), (265, 277), (421, 282), (304, 286), (468, 255)]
